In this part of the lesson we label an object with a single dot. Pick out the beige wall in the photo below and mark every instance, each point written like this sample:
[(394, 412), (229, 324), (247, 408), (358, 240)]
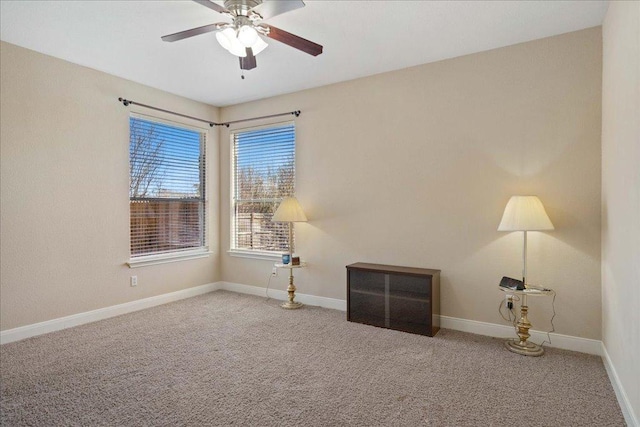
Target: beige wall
[(414, 167), (64, 184), (621, 194)]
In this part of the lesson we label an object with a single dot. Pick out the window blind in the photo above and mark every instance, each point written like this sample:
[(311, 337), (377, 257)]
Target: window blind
[(263, 174), (166, 188)]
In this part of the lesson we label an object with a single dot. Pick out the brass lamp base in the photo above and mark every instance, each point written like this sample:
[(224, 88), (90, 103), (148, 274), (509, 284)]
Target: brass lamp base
[(525, 348), (522, 345), (291, 305), (291, 290)]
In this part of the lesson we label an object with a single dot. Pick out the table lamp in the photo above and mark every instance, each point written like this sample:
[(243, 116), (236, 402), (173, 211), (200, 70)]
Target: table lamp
[(290, 211), (524, 213)]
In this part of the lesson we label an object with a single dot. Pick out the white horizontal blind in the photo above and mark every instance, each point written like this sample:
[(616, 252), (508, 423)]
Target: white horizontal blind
[(263, 174), (166, 188)]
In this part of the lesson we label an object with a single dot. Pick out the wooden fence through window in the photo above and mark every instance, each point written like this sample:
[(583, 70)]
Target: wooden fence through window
[(164, 225)]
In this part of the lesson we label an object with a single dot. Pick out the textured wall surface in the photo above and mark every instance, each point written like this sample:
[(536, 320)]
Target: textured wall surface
[(415, 167), (621, 194), (65, 191)]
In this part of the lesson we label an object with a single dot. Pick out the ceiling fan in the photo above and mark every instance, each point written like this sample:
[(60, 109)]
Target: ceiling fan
[(241, 37)]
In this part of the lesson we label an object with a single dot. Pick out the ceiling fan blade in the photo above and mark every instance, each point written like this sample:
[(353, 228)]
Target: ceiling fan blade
[(271, 8), (190, 33), (294, 41), (213, 6), (249, 61)]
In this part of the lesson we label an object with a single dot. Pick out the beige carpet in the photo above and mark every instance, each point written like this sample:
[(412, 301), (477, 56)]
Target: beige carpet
[(231, 359)]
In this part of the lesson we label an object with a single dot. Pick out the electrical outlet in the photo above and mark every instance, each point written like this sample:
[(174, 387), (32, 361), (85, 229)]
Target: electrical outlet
[(134, 281), (274, 272), (509, 301)]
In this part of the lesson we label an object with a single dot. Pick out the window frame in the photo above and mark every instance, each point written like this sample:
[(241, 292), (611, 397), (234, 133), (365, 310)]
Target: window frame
[(252, 253), (182, 254)]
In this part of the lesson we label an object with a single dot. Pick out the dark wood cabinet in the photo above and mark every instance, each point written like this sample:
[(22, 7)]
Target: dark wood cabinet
[(402, 298)]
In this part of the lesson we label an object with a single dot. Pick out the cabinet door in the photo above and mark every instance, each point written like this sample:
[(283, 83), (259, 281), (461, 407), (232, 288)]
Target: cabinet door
[(418, 286), (367, 297), (410, 303)]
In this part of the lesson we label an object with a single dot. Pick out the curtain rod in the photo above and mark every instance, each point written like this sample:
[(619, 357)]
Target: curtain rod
[(127, 102)]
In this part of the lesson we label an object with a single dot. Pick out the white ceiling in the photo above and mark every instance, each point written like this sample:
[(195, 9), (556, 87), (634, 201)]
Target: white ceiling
[(360, 38)]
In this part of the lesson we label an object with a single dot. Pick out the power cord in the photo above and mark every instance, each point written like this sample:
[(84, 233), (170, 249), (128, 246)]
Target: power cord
[(266, 291), (553, 328), (510, 311)]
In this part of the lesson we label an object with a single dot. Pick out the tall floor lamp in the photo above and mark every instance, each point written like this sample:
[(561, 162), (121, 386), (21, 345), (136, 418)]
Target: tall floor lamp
[(524, 213), (290, 211)]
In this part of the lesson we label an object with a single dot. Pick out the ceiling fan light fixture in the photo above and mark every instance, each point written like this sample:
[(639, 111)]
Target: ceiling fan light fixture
[(224, 39), (247, 35), (228, 40), (238, 48), (259, 45)]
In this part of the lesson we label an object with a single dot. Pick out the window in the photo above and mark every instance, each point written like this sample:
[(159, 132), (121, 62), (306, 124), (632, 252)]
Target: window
[(167, 200), (263, 175)]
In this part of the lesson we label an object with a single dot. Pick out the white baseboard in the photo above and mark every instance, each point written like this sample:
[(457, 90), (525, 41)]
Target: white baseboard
[(623, 400), (336, 304), (566, 342), (35, 329)]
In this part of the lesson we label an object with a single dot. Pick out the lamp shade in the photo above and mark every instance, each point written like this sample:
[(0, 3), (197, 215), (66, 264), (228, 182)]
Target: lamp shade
[(259, 46), (289, 211), (229, 40), (222, 38), (247, 35), (525, 213)]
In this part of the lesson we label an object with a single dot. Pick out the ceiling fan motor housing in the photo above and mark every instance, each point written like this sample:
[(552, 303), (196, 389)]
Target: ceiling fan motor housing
[(241, 7)]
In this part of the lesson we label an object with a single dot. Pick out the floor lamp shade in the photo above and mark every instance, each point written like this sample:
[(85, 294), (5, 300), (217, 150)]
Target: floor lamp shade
[(289, 211), (525, 213)]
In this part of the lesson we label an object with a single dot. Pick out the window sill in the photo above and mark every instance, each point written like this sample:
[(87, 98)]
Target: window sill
[(269, 256), (166, 258)]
